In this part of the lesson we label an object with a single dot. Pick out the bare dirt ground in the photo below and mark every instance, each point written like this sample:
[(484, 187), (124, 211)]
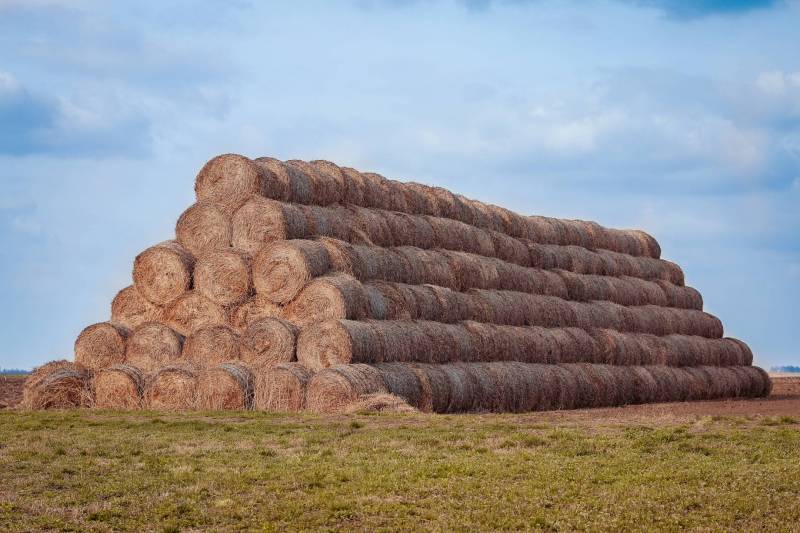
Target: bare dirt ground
[(784, 401)]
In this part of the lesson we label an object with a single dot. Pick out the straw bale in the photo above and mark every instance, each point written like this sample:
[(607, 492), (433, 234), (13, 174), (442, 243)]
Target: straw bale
[(171, 388), (193, 311), (260, 221), (281, 182), (268, 342), (58, 385), (336, 295), (101, 345), (224, 276), (281, 388), (229, 180), (210, 346), (153, 345), (253, 309), (645, 387), (379, 403), (404, 381), (118, 387), (283, 268), (131, 309), (350, 186), (228, 386), (163, 272), (333, 389), (203, 227), (325, 187)]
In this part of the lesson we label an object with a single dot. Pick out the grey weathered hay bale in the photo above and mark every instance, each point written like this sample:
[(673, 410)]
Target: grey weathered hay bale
[(281, 388), (153, 345), (333, 389), (163, 272), (58, 385), (101, 345), (131, 309), (680, 296), (118, 387), (171, 388), (645, 387), (253, 309), (193, 311), (203, 227), (268, 342), (228, 386), (405, 381), (260, 221), (325, 187), (283, 268), (745, 354), (379, 403), (210, 346), (224, 276), (336, 295), (229, 180)]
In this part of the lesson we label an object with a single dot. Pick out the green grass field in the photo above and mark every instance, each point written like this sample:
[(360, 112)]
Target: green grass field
[(103, 471)]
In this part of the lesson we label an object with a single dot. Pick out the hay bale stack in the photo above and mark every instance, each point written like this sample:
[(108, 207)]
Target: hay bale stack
[(283, 268), (228, 180), (119, 387), (227, 387), (58, 385), (253, 309), (282, 387), (203, 228), (163, 272), (153, 345), (211, 346), (130, 309), (171, 388), (192, 312), (332, 390), (224, 276), (260, 221), (101, 345), (268, 342)]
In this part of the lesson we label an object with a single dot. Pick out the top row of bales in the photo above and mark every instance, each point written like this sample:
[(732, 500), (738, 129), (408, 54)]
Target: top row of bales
[(229, 181)]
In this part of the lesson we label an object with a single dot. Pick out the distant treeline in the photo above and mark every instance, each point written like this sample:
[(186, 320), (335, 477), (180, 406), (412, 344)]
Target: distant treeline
[(14, 371), (785, 369)]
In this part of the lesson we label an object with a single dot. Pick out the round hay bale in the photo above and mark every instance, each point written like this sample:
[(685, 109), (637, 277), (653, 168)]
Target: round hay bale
[(402, 380), (334, 296), (268, 342), (119, 387), (336, 342), (325, 188), (766, 382), (193, 311), (224, 276), (163, 272), (260, 221), (565, 387), (333, 389), (203, 227), (209, 346), (227, 387), (379, 403), (153, 345), (101, 345), (228, 180), (283, 268), (172, 388), (645, 387), (281, 388), (131, 309), (255, 308), (281, 184), (57, 385)]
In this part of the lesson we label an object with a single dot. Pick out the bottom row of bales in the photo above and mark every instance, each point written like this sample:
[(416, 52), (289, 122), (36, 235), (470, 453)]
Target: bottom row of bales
[(448, 388)]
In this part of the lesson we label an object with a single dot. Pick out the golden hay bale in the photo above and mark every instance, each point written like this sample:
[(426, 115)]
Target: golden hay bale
[(58, 385), (252, 310), (210, 346), (203, 227), (260, 221), (224, 276), (193, 311), (337, 342), (333, 389), (324, 188), (163, 272), (172, 388), (131, 309), (283, 268), (279, 183), (335, 295), (153, 345), (101, 345), (228, 386), (228, 180), (281, 388), (119, 387), (379, 403), (268, 342)]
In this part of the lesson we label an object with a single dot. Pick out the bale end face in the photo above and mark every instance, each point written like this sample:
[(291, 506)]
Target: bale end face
[(119, 387), (325, 344), (227, 181), (282, 388), (58, 385), (101, 345), (228, 387)]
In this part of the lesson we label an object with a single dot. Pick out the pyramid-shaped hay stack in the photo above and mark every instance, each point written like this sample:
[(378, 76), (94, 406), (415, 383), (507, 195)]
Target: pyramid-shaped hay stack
[(302, 285)]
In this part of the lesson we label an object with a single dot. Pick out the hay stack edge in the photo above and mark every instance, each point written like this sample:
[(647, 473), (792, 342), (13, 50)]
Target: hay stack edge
[(295, 285)]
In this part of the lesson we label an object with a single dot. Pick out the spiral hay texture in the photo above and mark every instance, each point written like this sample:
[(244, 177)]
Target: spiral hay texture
[(295, 285)]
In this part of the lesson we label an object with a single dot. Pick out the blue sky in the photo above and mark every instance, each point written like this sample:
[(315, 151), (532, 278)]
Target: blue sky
[(682, 118)]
